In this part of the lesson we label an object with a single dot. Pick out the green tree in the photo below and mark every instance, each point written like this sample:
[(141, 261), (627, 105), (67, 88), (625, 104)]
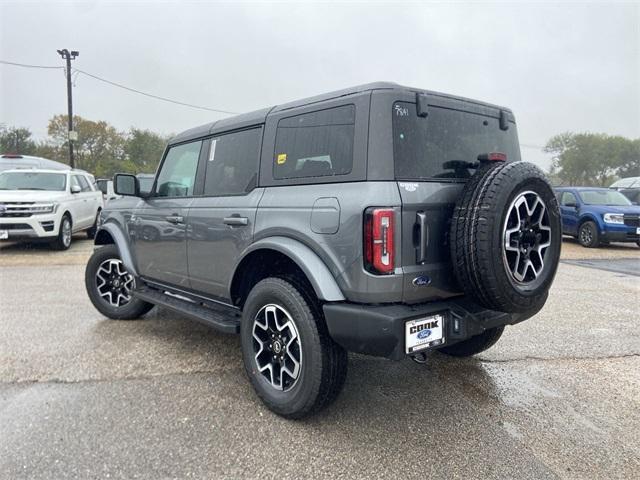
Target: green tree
[(144, 149), (592, 158), (99, 148), (17, 140)]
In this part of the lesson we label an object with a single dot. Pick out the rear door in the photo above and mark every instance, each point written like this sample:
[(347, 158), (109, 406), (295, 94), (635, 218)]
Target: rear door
[(159, 224), (434, 156), (221, 221)]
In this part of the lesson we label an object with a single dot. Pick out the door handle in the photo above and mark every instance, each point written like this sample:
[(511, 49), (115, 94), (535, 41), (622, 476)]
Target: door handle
[(236, 221), (175, 219), (423, 237)]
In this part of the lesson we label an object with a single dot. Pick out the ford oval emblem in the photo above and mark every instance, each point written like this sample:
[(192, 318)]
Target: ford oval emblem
[(421, 281), (422, 334)]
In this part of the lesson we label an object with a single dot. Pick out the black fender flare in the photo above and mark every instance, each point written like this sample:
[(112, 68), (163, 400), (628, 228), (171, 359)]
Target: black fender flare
[(120, 240), (322, 280)]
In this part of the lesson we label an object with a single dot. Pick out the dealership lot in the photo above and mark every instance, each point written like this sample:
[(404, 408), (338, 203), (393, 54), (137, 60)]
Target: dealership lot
[(82, 396)]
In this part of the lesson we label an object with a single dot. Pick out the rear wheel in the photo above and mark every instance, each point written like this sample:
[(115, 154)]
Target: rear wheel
[(474, 345), (110, 286), (588, 235), (63, 240), (293, 364)]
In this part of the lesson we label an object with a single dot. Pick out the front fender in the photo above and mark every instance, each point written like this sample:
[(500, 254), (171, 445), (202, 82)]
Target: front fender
[(120, 240), (313, 267)]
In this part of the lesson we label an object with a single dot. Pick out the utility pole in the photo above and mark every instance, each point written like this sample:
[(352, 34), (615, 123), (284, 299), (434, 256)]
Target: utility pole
[(68, 56)]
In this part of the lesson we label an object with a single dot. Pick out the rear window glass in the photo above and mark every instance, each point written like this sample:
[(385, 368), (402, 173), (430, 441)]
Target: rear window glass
[(441, 145), (316, 144)]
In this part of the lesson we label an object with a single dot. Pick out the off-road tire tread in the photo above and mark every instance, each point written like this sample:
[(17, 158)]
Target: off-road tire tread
[(132, 310), (472, 224), (330, 372)]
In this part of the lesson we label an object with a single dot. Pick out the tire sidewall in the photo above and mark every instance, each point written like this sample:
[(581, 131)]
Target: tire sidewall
[(60, 242), (271, 291), (131, 310), (594, 234)]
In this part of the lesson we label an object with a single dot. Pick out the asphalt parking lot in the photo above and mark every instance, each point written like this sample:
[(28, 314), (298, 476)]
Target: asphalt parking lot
[(86, 397)]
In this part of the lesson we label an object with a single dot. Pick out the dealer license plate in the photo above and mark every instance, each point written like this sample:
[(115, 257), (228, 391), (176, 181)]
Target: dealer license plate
[(4, 234), (424, 333)]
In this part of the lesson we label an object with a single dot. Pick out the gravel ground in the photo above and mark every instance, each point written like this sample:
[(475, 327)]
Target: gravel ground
[(86, 397)]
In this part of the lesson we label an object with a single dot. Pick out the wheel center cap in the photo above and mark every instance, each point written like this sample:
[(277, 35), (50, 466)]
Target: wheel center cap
[(277, 347), (116, 282)]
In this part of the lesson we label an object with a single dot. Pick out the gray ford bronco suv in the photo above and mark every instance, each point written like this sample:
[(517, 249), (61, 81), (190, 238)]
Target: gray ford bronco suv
[(380, 219)]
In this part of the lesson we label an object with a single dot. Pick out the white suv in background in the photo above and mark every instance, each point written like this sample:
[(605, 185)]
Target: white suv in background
[(48, 205)]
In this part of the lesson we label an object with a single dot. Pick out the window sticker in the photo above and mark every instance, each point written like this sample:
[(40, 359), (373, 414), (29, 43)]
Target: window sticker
[(282, 158), (212, 151)]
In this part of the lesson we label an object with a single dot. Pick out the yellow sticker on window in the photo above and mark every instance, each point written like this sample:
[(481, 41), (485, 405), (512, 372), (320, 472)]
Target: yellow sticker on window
[(282, 158)]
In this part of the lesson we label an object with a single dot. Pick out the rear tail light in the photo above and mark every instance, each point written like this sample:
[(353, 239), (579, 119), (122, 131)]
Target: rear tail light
[(379, 228)]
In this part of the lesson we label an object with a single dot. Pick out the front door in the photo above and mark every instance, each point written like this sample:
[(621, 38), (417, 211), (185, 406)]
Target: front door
[(569, 213), (160, 223), (221, 221)]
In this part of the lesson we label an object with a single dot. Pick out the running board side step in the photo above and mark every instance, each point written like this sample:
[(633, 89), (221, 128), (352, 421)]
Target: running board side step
[(221, 319)]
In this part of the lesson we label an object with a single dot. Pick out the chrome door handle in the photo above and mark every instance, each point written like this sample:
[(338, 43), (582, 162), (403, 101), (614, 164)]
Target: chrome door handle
[(175, 219), (236, 221)]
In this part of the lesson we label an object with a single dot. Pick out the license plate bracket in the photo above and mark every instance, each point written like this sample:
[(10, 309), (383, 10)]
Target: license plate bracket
[(423, 333), (4, 234)]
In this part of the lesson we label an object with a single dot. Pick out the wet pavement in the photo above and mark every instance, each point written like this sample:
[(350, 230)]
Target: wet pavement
[(86, 397)]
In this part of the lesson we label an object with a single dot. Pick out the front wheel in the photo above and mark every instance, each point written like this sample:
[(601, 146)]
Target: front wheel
[(473, 345), (293, 364), (588, 235), (63, 240), (110, 286)]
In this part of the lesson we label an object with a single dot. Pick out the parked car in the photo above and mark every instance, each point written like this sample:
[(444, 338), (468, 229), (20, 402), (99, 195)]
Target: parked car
[(597, 216), (106, 187), (10, 161), (380, 219), (49, 205), (629, 187)]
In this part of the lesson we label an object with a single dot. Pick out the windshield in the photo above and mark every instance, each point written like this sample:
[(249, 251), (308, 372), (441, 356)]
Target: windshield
[(33, 181), (604, 197), (443, 144)]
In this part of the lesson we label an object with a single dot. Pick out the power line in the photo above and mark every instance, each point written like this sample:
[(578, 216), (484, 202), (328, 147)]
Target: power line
[(26, 65), (164, 99)]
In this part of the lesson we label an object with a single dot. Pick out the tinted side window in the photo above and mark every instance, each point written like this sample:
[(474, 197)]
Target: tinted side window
[(232, 166), (178, 173), (568, 197), (84, 183), (315, 144)]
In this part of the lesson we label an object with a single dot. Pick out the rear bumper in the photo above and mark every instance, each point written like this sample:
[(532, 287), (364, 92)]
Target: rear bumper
[(379, 330)]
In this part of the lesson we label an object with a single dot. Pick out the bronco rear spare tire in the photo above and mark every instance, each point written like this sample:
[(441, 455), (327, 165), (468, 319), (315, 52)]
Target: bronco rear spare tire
[(505, 237)]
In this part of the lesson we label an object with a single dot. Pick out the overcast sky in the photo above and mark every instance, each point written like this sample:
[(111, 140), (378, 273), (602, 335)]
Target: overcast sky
[(559, 66)]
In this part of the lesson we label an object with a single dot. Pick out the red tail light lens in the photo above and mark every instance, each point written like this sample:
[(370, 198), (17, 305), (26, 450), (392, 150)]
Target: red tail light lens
[(493, 157), (379, 228)]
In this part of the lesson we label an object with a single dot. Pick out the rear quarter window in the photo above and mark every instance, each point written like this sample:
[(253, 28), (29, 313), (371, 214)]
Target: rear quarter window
[(443, 144), (315, 144)]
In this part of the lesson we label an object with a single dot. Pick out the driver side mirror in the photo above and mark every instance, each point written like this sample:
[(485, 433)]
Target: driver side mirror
[(571, 204), (126, 184), (75, 189)]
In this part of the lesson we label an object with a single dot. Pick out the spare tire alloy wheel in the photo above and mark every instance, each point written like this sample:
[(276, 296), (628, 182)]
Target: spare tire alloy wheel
[(277, 347), (114, 283), (506, 237), (527, 237)]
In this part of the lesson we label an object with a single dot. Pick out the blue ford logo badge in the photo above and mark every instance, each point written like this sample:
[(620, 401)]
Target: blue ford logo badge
[(422, 334), (421, 281)]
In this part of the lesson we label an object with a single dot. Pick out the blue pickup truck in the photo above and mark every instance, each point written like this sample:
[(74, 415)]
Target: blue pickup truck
[(597, 216)]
